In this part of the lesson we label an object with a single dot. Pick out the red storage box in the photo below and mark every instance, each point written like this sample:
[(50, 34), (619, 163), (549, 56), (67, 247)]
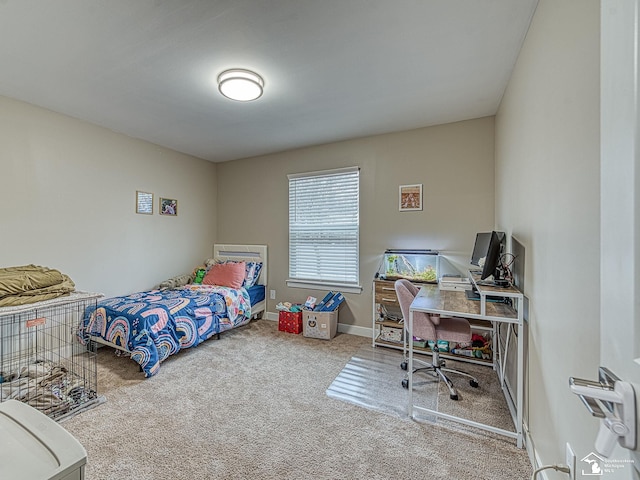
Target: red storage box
[(290, 322)]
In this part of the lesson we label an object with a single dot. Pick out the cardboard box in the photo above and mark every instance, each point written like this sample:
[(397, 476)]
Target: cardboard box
[(320, 324), (290, 322), (332, 304)]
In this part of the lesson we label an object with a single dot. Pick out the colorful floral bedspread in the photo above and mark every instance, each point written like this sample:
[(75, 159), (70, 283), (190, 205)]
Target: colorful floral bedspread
[(155, 324)]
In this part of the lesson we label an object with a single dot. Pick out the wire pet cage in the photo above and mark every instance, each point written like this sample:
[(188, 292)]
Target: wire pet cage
[(42, 363)]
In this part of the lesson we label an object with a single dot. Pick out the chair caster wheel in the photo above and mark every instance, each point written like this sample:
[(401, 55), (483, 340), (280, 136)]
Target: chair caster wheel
[(453, 397), (405, 383), (404, 366), (473, 383)]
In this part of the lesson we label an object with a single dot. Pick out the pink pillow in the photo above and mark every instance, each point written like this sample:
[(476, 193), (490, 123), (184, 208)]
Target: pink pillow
[(226, 275)]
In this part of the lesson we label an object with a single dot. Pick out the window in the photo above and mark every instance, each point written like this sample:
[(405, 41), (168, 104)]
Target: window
[(324, 229)]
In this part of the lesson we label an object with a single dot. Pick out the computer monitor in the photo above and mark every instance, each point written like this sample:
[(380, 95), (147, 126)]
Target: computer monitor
[(480, 249), (487, 252), (492, 262)]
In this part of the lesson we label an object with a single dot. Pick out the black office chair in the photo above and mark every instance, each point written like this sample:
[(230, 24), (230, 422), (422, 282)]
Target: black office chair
[(433, 327)]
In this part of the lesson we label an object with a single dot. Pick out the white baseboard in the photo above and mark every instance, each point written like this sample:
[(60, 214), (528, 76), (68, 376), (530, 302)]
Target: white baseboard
[(342, 328), (534, 458), (354, 330)]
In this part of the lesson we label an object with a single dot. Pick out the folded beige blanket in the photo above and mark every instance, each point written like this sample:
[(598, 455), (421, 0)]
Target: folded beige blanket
[(32, 283)]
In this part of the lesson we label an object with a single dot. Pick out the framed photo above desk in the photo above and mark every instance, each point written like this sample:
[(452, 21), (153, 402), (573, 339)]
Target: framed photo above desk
[(410, 197)]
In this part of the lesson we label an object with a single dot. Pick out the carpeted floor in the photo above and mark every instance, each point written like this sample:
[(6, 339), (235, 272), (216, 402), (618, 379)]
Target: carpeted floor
[(254, 405)]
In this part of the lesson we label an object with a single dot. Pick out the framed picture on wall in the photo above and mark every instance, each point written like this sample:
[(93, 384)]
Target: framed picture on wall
[(144, 203), (410, 197), (168, 206)]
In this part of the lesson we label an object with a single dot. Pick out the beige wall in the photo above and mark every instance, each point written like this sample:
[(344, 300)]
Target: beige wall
[(454, 162), (547, 195), (67, 190)]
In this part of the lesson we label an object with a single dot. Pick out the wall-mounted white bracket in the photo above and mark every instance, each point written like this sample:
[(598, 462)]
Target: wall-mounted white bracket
[(613, 401)]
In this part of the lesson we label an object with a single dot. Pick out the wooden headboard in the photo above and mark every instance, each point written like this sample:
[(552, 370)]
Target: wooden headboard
[(248, 253)]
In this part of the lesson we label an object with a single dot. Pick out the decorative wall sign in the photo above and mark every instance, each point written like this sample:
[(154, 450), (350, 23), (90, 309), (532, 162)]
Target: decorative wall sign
[(168, 206), (410, 197), (144, 203)]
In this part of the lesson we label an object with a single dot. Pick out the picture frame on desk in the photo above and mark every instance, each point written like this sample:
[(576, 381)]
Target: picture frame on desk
[(410, 197)]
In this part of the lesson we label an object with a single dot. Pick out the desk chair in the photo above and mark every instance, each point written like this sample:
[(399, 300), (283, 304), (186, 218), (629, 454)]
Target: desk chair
[(433, 327)]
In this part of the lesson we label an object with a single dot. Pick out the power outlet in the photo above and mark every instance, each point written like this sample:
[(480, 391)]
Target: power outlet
[(570, 460), (272, 294)]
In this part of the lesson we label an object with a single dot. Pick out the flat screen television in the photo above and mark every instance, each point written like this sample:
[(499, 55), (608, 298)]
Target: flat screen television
[(487, 253)]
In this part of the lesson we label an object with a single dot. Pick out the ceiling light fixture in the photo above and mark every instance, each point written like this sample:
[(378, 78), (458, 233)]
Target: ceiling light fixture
[(241, 85)]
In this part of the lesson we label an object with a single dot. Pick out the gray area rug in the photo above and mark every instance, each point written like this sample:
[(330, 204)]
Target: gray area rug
[(372, 379), (253, 405)]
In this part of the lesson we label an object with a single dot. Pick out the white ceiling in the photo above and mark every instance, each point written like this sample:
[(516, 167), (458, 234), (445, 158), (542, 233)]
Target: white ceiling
[(333, 69)]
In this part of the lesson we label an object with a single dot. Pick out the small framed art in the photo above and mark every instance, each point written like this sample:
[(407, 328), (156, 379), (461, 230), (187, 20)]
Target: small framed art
[(410, 197), (168, 206), (144, 203)]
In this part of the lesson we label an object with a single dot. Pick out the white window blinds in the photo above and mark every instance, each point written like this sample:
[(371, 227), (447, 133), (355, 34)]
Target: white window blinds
[(324, 226)]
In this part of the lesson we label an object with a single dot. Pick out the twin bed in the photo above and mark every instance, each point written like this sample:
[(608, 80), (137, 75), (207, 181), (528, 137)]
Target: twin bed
[(155, 324)]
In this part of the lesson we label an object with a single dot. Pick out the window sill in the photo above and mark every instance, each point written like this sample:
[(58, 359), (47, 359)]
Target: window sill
[(341, 287)]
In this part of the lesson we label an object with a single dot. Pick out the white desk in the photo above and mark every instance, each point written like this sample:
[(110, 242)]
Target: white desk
[(431, 299)]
